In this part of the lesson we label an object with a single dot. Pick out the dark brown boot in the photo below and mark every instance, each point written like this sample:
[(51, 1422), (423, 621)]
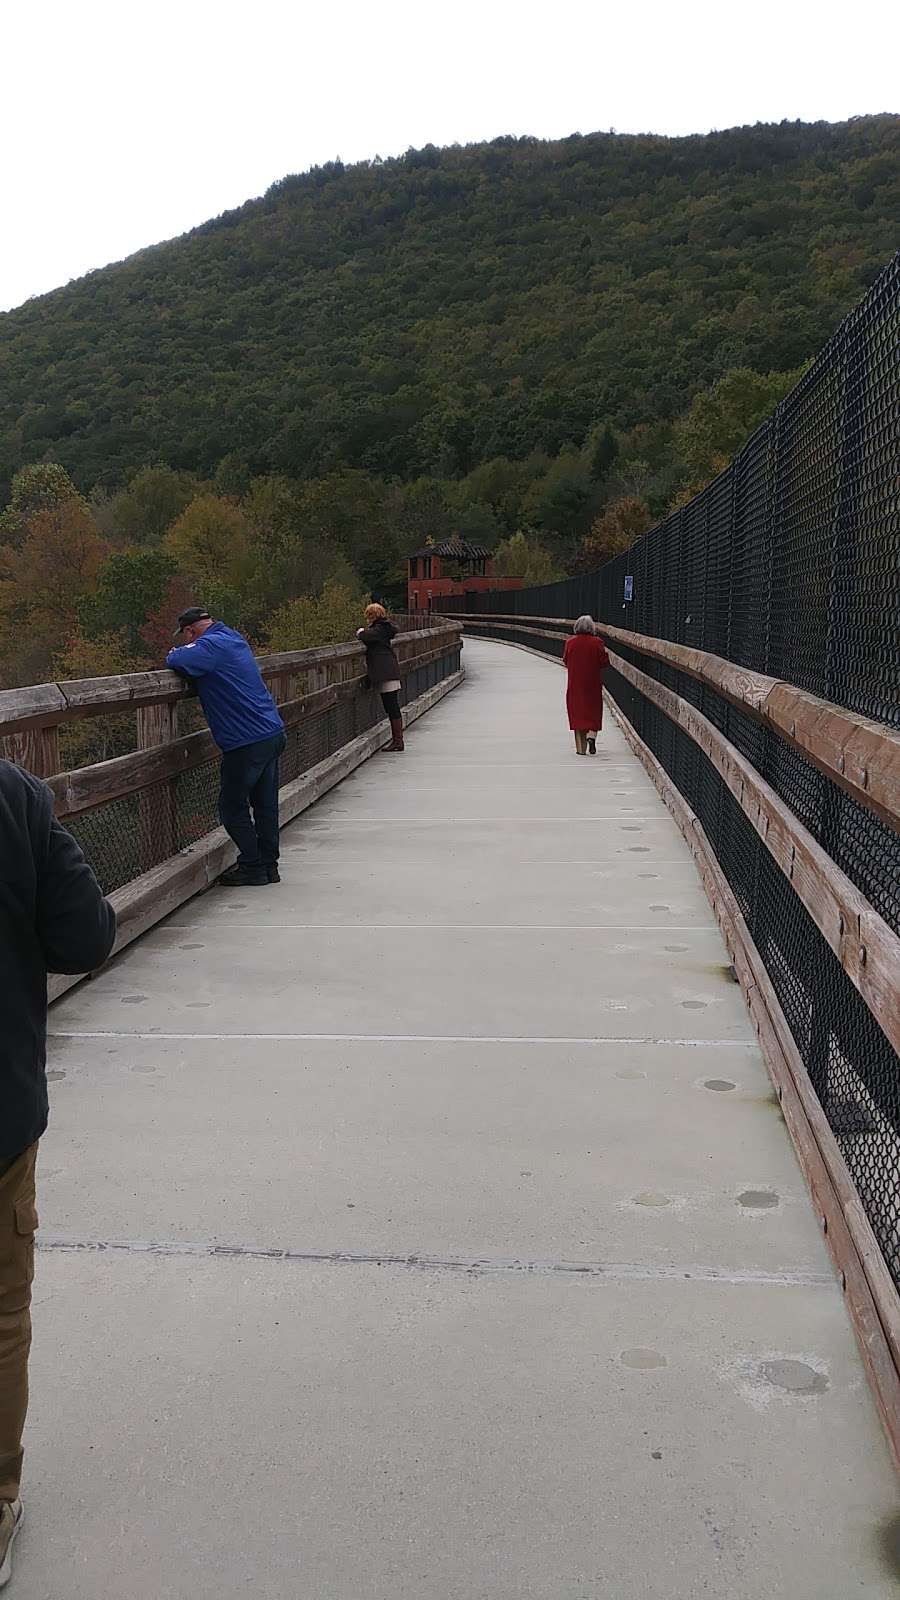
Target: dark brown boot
[(397, 731)]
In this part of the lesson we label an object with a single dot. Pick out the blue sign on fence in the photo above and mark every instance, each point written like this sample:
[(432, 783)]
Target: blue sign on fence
[(629, 588)]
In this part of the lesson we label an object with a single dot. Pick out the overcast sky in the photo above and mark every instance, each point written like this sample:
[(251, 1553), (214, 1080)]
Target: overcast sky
[(125, 123)]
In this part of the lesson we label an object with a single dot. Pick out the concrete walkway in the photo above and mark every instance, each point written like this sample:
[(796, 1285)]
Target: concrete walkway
[(434, 1232)]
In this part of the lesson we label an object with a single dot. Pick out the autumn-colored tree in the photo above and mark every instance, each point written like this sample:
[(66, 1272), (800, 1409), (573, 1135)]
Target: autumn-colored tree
[(157, 632), (616, 530), (56, 563), (42, 579), (40, 487), (100, 657), (210, 542)]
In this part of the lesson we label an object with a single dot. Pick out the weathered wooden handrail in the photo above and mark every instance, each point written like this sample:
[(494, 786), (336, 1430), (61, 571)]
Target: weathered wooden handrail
[(30, 718), (161, 871), (862, 757)]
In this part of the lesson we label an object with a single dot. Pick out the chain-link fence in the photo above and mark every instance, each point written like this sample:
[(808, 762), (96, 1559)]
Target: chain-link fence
[(789, 564)]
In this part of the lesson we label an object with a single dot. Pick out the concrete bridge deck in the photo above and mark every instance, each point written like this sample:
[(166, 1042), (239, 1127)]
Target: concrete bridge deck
[(426, 1228)]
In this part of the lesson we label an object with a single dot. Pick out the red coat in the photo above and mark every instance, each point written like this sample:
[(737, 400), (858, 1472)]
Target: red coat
[(586, 660)]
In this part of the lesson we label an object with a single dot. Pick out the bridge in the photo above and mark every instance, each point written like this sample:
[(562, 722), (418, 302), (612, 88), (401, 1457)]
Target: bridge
[(507, 1203)]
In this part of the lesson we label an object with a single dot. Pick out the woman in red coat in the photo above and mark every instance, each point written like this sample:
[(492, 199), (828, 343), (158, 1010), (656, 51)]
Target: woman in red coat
[(585, 660)]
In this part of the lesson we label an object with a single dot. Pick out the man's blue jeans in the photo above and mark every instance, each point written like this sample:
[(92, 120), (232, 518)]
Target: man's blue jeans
[(249, 782)]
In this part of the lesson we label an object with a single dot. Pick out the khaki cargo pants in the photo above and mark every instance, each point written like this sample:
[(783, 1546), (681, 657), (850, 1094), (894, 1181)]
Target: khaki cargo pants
[(18, 1220)]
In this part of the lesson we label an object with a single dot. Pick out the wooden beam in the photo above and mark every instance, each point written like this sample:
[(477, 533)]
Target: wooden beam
[(85, 788), (40, 706), (43, 705)]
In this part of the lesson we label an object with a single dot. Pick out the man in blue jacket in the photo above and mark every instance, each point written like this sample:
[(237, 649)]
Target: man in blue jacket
[(245, 723)]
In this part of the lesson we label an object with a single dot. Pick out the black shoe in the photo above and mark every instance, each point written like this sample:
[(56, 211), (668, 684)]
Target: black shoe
[(272, 870), (244, 878), (592, 747)]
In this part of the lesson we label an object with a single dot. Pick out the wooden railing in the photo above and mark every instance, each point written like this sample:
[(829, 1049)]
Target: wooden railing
[(31, 718), (151, 857), (861, 758)]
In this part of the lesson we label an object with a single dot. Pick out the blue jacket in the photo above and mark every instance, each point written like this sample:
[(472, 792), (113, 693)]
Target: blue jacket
[(238, 706)]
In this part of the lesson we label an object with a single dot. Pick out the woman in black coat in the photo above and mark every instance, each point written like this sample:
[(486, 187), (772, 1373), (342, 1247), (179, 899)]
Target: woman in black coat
[(382, 667)]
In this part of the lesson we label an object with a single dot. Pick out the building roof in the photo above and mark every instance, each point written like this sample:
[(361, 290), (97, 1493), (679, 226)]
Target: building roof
[(454, 548)]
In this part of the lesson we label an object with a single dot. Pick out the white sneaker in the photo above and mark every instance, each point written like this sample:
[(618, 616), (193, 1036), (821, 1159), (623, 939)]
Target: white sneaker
[(12, 1515)]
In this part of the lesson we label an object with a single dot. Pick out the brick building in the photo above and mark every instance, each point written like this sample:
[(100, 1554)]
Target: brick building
[(451, 567)]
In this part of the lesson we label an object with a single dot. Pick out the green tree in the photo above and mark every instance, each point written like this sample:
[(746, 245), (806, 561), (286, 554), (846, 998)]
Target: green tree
[(130, 585), (153, 500), (503, 485), (562, 501), (456, 306), (350, 514), (722, 418), (308, 621), (523, 556), (602, 449)]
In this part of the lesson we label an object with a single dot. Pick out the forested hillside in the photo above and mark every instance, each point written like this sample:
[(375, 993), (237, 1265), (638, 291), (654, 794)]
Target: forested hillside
[(429, 313), (543, 345)]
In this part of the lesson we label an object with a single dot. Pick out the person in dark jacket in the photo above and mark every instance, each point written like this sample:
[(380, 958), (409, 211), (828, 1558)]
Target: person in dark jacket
[(383, 668), (246, 725), (53, 917)]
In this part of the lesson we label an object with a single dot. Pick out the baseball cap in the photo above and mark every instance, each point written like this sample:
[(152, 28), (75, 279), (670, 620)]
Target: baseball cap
[(192, 614)]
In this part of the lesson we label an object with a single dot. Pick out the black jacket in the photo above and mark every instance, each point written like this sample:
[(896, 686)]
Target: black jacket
[(53, 917), (381, 663)]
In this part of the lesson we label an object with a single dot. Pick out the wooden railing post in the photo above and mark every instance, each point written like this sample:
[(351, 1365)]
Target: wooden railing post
[(157, 825), (35, 749)]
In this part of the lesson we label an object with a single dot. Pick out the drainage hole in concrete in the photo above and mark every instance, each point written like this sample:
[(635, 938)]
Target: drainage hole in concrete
[(795, 1377)]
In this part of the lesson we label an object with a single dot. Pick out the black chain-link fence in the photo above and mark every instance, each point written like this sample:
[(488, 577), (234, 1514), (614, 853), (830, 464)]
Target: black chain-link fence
[(789, 563), (126, 837)]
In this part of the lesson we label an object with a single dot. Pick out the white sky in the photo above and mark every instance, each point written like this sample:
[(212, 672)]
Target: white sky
[(125, 123)]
